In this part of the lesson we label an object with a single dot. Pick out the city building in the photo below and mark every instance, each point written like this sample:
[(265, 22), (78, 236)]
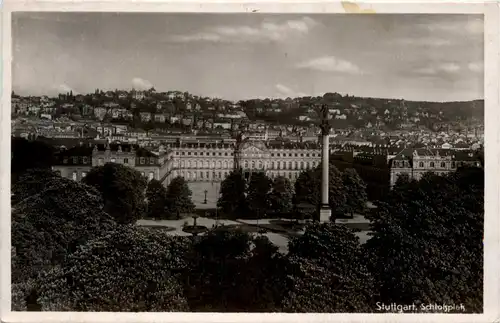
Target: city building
[(214, 161), (76, 162)]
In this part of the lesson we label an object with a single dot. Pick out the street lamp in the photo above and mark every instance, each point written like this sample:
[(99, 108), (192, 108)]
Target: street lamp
[(205, 201)]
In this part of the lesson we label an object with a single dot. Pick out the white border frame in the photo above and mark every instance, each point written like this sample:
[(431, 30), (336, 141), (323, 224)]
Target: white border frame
[(492, 134)]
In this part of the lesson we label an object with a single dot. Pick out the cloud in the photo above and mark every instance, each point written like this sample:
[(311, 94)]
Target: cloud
[(330, 64), (471, 26), (141, 84), (285, 91), (265, 32), (449, 68), (477, 67), (64, 88), (425, 41)]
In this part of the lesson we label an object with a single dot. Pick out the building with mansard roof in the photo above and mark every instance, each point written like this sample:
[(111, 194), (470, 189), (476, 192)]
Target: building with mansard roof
[(76, 162)]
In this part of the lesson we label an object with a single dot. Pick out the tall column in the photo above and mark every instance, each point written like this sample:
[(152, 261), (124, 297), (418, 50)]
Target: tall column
[(324, 211)]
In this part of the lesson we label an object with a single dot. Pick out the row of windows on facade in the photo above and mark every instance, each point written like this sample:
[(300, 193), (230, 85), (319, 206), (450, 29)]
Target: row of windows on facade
[(251, 165), (74, 176), (85, 160), (194, 153), (433, 165), (220, 175)]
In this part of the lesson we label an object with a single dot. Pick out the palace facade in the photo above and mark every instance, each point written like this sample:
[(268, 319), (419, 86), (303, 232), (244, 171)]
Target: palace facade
[(212, 162)]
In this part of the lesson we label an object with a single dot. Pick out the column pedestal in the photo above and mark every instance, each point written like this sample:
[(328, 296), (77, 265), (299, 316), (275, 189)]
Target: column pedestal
[(325, 213)]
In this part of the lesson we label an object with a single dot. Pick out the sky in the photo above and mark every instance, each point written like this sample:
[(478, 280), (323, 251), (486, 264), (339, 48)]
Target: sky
[(243, 56)]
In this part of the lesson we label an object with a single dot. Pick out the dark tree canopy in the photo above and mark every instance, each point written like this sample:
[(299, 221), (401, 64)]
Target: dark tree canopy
[(257, 195), (156, 194), (122, 189), (129, 269), (232, 198), (308, 189), (434, 228), (280, 197), (28, 154), (355, 190), (48, 226), (179, 197), (232, 271), (31, 182), (327, 273)]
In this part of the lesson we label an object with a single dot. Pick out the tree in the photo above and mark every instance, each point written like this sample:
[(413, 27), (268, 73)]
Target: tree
[(52, 224), (130, 269), (31, 182), (233, 271), (326, 272), (122, 189), (232, 198), (355, 190), (179, 197), (435, 231), (27, 154), (156, 194), (280, 197), (258, 195), (308, 189)]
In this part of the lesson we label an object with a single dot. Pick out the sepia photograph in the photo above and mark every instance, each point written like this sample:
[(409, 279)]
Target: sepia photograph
[(247, 162)]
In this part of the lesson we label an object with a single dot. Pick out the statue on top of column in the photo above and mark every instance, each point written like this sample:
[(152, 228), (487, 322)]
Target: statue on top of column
[(325, 123)]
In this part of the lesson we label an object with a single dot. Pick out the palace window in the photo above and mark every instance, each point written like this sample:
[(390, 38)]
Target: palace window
[(188, 175), (278, 154), (272, 165), (177, 153), (225, 154), (195, 164), (453, 165), (189, 153), (85, 159), (225, 164), (201, 153), (208, 175), (220, 154), (125, 160), (100, 162), (188, 164), (432, 164), (279, 165), (290, 165), (301, 155), (183, 153), (253, 164), (290, 175), (301, 165), (296, 155), (142, 160), (260, 165), (421, 164), (195, 153), (206, 163), (75, 160), (201, 175), (443, 165), (308, 165), (296, 164), (246, 164), (213, 164), (219, 164)]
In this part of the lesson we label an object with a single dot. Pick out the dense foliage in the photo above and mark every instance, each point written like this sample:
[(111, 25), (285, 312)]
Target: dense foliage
[(69, 254), (179, 198), (233, 271), (258, 195), (355, 191), (156, 194), (308, 189), (129, 269), (232, 199), (47, 226), (29, 154), (280, 197), (434, 228), (122, 189), (327, 273)]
